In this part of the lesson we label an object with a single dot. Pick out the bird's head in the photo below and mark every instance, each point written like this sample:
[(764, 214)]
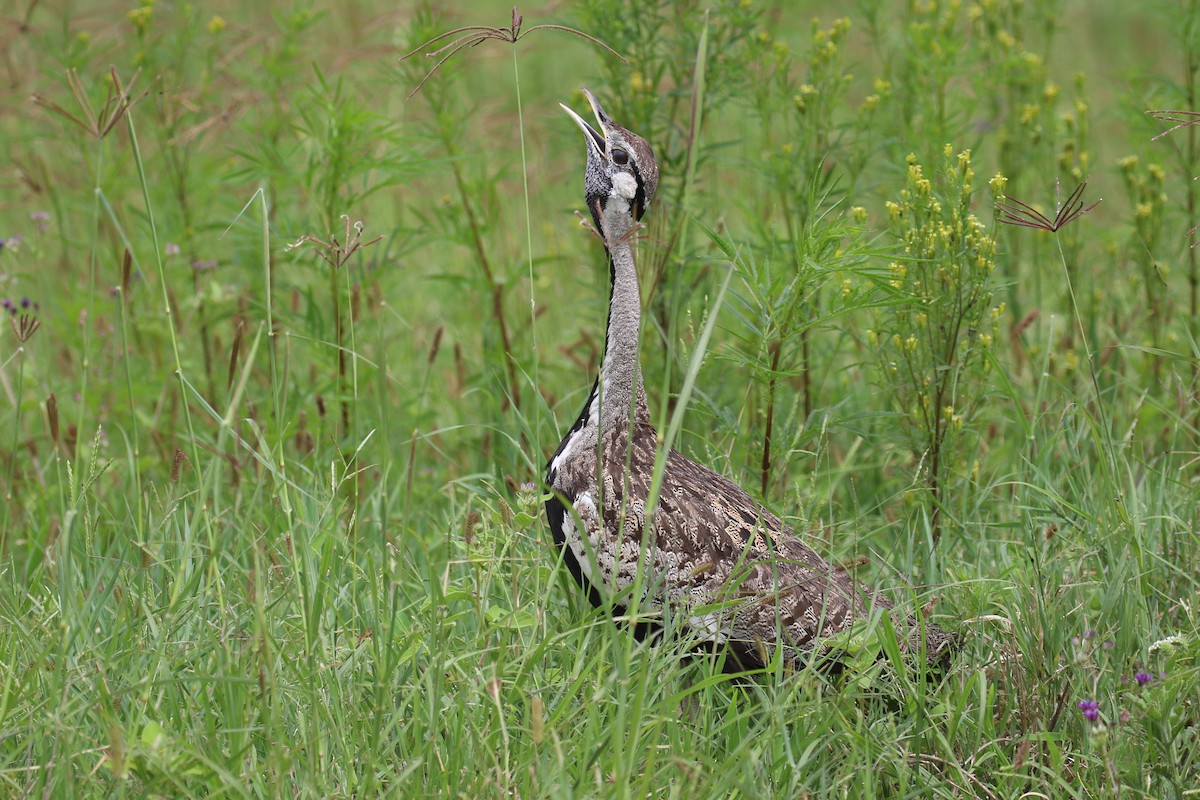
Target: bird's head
[(620, 164)]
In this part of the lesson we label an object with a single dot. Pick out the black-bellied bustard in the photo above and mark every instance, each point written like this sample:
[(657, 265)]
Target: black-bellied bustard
[(723, 565)]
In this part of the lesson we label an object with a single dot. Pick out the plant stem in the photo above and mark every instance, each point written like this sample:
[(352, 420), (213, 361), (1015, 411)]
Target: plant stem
[(528, 240), (775, 348), (12, 453)]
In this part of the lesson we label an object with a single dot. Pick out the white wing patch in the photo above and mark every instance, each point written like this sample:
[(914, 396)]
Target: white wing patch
[(708, 627), (585, 552), (566, 454)]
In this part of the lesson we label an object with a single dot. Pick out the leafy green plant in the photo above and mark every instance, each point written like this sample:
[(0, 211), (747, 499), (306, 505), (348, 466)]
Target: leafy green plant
[(929, 346)]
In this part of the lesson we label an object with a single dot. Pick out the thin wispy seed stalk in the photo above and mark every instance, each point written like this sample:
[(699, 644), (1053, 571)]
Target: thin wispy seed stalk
[(1015, 212), (1182, 119), (1018, 213), (97, 123), (198, 510), (1189, 120), (474, 35), (336, 254)]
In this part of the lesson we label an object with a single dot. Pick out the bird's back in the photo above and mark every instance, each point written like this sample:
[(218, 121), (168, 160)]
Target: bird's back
[(739, 577)]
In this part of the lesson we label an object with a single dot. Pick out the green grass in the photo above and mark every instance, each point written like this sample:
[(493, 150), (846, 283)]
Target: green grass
[(271, 521)]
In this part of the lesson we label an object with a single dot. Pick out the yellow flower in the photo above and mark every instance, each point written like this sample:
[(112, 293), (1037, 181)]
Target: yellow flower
[(140, 17), (998, 184), (216, 24)]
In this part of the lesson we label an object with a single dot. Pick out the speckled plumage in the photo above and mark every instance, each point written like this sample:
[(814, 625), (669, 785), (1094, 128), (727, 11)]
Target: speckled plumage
[(710, 555)]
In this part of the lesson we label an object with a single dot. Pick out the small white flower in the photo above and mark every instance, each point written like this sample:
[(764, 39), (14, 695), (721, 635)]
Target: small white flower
[(1170, 641)]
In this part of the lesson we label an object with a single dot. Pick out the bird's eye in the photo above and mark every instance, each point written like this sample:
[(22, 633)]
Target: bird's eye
[(620, 157)]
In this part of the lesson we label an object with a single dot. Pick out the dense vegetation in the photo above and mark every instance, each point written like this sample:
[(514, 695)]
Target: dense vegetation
[(285, 353)]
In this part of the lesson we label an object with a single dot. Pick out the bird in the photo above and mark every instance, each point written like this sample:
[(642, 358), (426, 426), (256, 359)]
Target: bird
[(725, 568)]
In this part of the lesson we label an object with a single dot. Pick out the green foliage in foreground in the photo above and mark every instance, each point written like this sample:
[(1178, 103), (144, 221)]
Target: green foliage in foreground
[(271, 521)]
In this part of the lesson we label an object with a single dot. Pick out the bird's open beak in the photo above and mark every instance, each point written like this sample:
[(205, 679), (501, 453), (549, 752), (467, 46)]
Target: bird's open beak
[(595, 139)]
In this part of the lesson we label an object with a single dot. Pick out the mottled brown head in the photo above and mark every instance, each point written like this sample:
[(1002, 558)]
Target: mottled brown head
[(612, 152)]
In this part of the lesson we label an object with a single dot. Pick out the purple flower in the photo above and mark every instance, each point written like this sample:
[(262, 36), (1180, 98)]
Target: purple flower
[(204, 266), (1109, 644), (41, 219), (1124, 716), (1075, 640), (1090, 709), (1089, 634), (1142, 677)]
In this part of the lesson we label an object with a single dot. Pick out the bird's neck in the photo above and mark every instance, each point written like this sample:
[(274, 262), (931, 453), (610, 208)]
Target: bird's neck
[(622, 392)]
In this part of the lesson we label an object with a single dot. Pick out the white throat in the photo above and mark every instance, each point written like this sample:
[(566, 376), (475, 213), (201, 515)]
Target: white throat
[(624, 186)]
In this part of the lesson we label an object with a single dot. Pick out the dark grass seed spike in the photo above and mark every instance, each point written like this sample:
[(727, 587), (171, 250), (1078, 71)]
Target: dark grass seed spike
[(233, 356), (1015, 212), (475, 35), (24, 326)]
